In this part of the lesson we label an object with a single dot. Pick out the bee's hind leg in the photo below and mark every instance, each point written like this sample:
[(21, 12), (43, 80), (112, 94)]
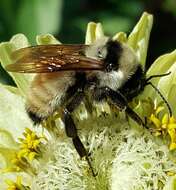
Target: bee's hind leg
[(71, 130)]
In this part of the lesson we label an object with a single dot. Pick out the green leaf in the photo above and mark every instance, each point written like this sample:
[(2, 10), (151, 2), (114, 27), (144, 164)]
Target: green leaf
[(113, 24), (139, 37), (169, 6)]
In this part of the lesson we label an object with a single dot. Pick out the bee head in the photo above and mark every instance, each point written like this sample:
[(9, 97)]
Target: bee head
[(114, 52), (105, 49), (98, 49)]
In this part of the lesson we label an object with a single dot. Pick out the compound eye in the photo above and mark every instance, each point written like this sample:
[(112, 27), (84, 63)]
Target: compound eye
[(109, 67), (99, 54)]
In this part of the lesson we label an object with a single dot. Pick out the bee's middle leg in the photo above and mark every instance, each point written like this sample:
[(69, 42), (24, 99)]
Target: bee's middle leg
[(118, 100), (71, 130)]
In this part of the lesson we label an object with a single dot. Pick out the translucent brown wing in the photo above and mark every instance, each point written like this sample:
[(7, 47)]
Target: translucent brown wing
[(52, 58)]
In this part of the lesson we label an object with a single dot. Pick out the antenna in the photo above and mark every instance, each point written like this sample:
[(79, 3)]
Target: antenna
[(156, 76), (157, 90), (165, 101)]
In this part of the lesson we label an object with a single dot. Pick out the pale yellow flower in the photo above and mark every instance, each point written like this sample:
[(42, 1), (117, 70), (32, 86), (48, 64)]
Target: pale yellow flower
[(44, 158)]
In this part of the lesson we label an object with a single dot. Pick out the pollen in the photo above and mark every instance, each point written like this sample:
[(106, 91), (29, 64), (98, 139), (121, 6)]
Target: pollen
[(17, 185)]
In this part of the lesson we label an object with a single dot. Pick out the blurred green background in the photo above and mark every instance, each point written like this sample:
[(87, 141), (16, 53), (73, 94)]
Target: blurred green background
[(67, 20)]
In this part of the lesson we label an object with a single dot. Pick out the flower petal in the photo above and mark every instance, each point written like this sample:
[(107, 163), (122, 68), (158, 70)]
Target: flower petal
[(90, 33), (94, 31), (165, 83), (6, 48), (12, 89), (7, 155), (6, 140), (121, 37), (162, 65), (13, 117), (20, 41), (99, 31), (172, 99), (171, 184), (45, 39), (139, 37)]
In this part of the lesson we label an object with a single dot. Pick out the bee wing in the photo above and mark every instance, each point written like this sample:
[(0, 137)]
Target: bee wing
[(48, 50), (52, 58)]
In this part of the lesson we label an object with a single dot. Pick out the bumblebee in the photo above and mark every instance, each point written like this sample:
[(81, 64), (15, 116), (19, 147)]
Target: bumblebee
[(107, 70)]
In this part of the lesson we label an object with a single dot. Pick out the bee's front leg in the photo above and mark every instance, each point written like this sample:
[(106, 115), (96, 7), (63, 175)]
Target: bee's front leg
[(70, 127), (118, 100)]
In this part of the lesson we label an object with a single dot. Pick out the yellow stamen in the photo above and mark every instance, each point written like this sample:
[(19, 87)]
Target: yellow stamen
[(159, 109), (165, 119), (30, 145), (155, 121), (164, 125), (16, 185), (172, 146)]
